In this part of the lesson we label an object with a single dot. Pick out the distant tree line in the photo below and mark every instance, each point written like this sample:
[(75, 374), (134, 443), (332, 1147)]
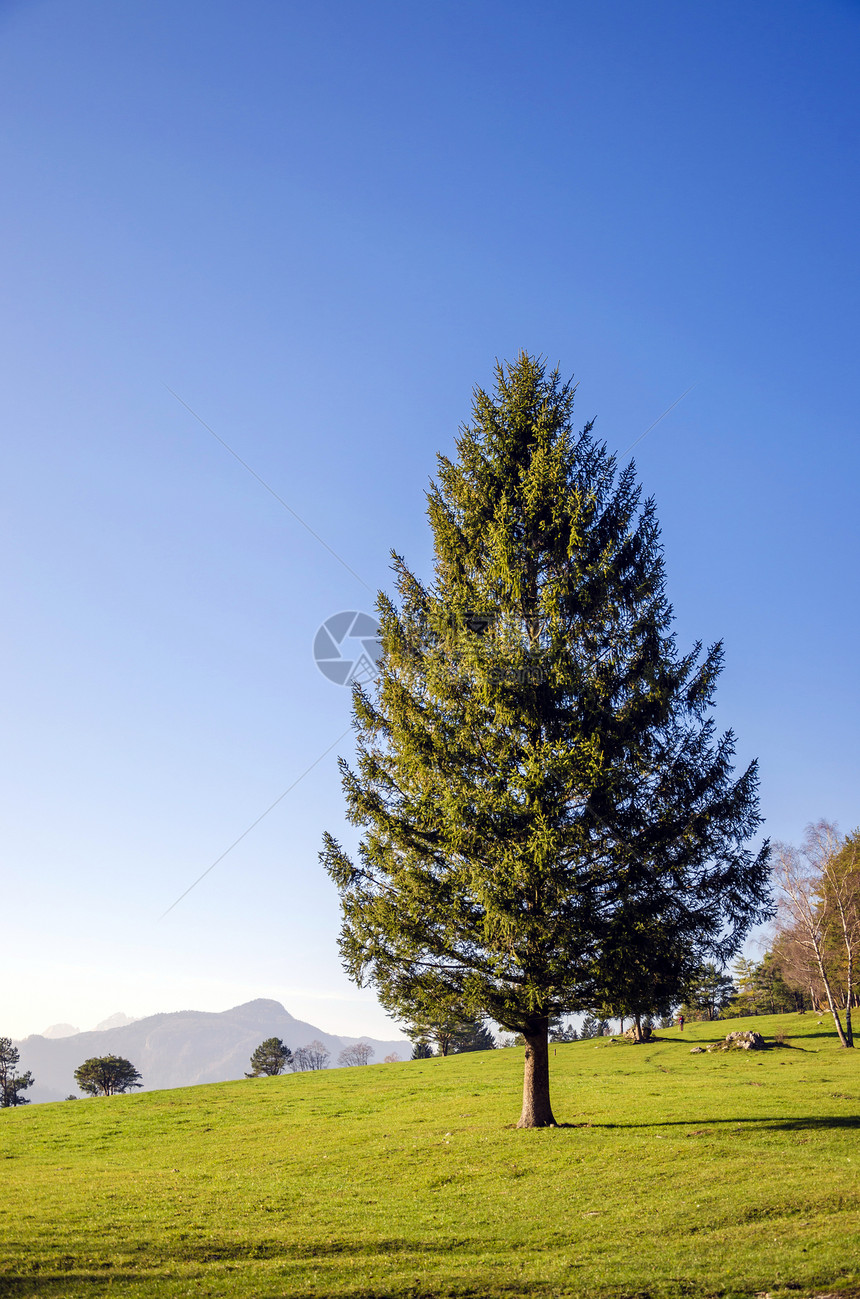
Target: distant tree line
[(274, 1057)]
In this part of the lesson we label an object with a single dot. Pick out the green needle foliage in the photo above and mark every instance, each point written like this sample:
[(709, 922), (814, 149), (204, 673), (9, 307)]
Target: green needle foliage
[(539, 786), (270, 1058), (12, 1084)]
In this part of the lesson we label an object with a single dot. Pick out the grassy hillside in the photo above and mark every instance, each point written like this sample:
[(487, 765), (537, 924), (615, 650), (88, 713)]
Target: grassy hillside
[(678, 1174)]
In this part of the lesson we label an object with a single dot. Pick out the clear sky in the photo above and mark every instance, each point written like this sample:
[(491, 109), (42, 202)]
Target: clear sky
[(318, 224)]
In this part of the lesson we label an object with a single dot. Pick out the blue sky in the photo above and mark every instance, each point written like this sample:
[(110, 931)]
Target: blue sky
[(319, 225)]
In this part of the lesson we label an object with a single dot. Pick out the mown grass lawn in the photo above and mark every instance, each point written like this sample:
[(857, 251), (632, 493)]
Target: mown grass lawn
[(676, 1175)]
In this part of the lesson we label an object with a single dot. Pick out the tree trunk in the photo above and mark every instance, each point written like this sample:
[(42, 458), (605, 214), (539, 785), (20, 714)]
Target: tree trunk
[(831, 1001), (537, 1111), (849, 952)]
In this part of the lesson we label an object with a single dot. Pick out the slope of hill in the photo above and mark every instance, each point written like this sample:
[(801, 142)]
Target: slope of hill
[(677, 1176), (180, 1049)]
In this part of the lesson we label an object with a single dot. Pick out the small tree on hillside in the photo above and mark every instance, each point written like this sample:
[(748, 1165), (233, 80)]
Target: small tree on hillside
[(444, 1029), (451, 1033), (12, 1084), (358, 1053), (422, 1051), (707, 992), (589, 1027), (561, 1032), (107, 1075), (537, 766), (761, 988), (315, 1055), (270, 1058), (475, 1037), (745, 998)]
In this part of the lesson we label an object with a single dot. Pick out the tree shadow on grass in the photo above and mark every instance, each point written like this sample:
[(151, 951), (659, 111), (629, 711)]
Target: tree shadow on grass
[(47, 1285), (806, 1123), (829, 1033), (233, 1252), (62, 1283), (306, 1251)]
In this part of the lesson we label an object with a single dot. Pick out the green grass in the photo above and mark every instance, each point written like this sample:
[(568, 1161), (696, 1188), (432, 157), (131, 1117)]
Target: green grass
[(678, 1175)]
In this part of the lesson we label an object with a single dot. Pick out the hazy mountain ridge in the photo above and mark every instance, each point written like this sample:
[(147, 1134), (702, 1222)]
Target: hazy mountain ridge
[(181, 1048), (60, 1030)]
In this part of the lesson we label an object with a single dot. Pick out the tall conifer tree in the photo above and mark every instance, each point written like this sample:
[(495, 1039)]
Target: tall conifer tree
[(537, 773)]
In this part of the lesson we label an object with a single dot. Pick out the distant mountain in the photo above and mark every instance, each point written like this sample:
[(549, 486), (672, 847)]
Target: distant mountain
[(180, 1049), (119, 1020), (60, 1030)]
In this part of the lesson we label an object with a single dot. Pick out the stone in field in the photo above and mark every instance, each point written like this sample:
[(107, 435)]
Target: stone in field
[(746, 1041)]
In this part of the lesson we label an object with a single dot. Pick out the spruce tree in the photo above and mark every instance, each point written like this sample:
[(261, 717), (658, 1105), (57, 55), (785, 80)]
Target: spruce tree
[(475, 1037), (561, 1032), (589, 1027), (537, 774)]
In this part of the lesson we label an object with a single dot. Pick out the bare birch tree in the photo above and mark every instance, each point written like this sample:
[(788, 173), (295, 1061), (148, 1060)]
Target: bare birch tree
[(313, 1056), (356, 1054), (840, 897), (801, 876)]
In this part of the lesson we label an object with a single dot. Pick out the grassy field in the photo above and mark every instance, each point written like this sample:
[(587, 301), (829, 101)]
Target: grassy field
[(673, 1175)]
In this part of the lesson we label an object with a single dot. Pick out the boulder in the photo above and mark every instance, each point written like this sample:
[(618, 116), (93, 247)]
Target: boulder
[(746, 1041), (739, 1041), (643, 1034)]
